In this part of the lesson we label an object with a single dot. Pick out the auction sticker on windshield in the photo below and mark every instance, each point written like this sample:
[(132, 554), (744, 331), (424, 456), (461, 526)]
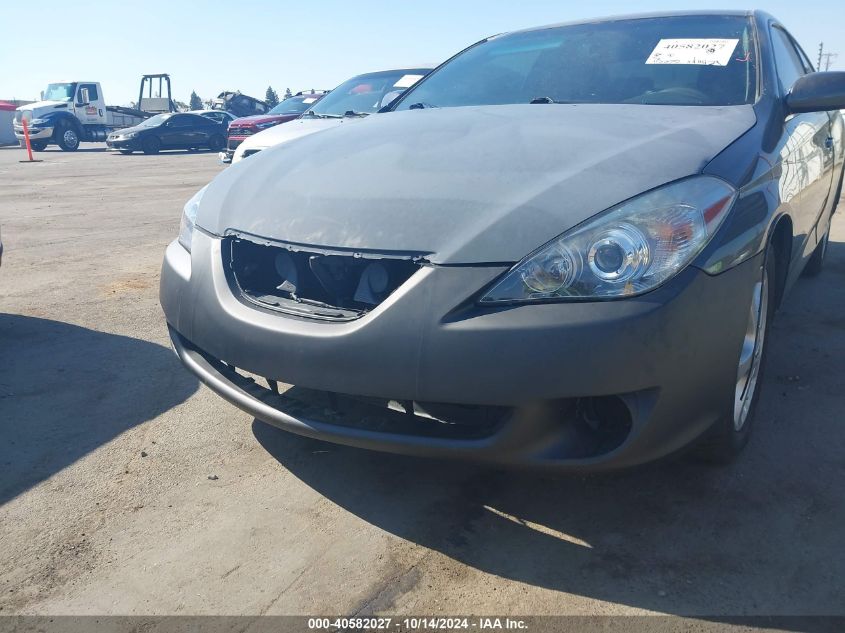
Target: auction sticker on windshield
[(706, 52), (406, 81)]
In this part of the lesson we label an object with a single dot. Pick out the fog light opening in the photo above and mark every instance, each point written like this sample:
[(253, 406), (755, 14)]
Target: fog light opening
[(602, 424)]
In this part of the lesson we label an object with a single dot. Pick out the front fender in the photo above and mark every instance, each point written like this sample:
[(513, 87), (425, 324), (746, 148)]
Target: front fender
[(57, 119)]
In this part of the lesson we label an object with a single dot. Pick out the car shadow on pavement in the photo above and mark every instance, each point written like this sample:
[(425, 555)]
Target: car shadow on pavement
[(166, 152), (54, 149), (761, 536), (65, 390)]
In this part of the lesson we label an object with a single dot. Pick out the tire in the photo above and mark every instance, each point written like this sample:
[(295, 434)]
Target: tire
[(125, 152), (728, 436), (216, 143), (38, 146), (66, 136), (150, 145)]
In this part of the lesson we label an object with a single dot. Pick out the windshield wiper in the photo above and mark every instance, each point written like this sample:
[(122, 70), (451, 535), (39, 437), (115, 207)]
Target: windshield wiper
[(421, 106), (353, 113), (544, 100), (322, 116)]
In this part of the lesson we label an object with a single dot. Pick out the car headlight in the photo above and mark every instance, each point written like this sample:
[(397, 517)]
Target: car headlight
[(38, 122), (627, 250), (130, 135), (262, 126), (189, 219)]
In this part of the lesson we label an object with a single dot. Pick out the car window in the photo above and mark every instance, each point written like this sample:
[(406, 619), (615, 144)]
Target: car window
[(808, 65), (787, 59), (92, 91), (295, 105), (366, 93), (155, 121), (676, 60), (60, 92), (182, 120)]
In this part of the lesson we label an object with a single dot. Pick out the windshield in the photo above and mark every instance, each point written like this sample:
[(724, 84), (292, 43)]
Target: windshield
[(366, 94), (295, 105), (60, 92), (156, 120), (683, 60)]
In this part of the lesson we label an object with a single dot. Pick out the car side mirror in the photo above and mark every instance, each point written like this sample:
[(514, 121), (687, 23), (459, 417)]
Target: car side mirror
[(83, 99), (817, 92)]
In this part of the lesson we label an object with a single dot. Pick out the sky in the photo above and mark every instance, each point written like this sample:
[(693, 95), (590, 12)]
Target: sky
[(246, 45)]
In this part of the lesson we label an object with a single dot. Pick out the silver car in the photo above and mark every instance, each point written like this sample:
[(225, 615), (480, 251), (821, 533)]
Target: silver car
[(564, 247)]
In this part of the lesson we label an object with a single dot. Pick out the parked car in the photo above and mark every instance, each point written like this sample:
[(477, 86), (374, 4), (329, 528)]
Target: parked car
[(563, 247), (288, 110), (169, 131), (218, 116), (352, 100)]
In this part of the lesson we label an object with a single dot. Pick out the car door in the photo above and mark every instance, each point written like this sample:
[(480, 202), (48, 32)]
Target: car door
[(170, 133), (807, 155), (202, 129), (88, 106), (178, 133)]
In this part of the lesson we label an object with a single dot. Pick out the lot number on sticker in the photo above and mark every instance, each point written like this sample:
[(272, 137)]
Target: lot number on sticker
[(705, 52)]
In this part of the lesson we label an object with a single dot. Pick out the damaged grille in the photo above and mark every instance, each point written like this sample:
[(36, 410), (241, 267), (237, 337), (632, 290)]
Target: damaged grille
[(380, 415), (330, 286)]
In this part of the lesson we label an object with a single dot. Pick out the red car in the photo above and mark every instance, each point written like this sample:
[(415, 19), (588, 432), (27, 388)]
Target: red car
[(289, 109)]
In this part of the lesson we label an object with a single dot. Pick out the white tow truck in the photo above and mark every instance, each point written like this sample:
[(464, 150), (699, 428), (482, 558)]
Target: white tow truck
[(71, 112)]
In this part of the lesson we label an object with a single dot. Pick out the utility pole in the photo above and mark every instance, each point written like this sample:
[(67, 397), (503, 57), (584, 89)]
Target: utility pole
[(821, 48), (827, 59)]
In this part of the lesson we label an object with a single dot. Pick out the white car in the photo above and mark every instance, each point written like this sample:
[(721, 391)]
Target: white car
[(220, 116), (354, 99)]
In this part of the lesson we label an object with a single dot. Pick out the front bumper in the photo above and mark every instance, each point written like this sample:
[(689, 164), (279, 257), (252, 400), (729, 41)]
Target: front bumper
[(669, 356), (122, 144), (245, 152), (232, 142), (35, 133)]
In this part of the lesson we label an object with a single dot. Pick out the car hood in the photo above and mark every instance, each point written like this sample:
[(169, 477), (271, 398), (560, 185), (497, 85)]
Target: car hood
[(465, 185), (293, 130), (41, 107), (135, 129), (255, 119)]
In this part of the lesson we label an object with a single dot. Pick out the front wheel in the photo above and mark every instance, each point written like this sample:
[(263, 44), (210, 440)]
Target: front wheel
[(67, 137), (730, 435), (38, 146), (216, 143)]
